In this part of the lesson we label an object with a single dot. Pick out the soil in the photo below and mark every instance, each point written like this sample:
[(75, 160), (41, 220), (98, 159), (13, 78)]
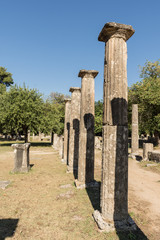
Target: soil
[(44, 203), (144, 197)]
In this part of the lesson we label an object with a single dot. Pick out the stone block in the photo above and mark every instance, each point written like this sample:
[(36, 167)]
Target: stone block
[(154, 156), (147, 147), (21, 157)]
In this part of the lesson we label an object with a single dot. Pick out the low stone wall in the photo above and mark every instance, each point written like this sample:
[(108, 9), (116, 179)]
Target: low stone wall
[(154, 156)]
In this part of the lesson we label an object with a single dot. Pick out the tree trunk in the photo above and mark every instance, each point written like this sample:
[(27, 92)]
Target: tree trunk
[(52, 134), (157, 138), (26, 135)]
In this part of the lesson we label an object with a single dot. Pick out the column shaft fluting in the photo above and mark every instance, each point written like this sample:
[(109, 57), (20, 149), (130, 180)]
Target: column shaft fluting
[(135, 136), (86, 148), (114, 184), (67, 129), (74, 129)]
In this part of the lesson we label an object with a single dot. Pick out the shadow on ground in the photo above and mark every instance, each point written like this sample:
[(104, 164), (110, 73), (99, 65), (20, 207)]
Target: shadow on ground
[(41, 144), (94, 196), (7, 227), (33, 144), (31, 165)]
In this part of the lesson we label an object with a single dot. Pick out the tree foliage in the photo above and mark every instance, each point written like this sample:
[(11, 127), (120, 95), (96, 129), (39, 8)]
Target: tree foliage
[(5, 79), (98, 117), (21, 110), (146, 94), (54, 113)]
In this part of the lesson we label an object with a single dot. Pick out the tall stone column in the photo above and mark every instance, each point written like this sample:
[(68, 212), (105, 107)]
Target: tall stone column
[(86, 147), (114, 183), (67, 129), (135, 135), (74, 130)]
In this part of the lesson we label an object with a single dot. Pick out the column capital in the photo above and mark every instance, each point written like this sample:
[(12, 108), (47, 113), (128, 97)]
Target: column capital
[(72, 89), (67, 100), (116, 30), (84, 72)]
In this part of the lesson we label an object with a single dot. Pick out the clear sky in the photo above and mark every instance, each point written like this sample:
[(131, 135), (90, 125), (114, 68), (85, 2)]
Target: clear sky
[(45, 43)]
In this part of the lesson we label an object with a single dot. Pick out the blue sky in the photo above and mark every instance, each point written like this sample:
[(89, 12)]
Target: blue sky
[(45, 43)]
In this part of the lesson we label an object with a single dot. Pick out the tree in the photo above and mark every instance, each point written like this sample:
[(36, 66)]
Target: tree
[(146, 94), (5, 79), (21, 110), (98, 117), (54, 113)]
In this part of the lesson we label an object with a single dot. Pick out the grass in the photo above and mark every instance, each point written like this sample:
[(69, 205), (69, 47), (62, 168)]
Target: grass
[(154, 168), (35, 207)]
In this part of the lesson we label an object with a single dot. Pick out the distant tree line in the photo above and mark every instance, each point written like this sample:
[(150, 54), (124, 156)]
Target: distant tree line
[(23, 109), (146, 94)]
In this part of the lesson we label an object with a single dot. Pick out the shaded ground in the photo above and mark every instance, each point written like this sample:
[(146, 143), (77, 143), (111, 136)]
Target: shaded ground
[(39, 205)]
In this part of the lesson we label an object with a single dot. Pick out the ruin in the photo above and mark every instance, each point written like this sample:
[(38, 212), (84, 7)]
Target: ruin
[(135, 135), (86, 145), (147, 147), (67, 129), (21, 157), (74, 130), (61, 146), (114, 183), (29, 135), (56, 141)]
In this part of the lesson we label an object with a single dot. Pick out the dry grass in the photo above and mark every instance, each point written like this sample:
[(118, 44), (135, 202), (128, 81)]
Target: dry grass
[(155, 168), (35, 207)]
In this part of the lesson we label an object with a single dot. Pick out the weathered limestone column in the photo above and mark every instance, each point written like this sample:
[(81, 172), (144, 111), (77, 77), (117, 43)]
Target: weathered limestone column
[(147, 147), (86, 147), (114, 183), (55, 140), (61, 139), (135, 135), (74, 130), (29, 135), (40, 136), (21, 157), (67, 129)]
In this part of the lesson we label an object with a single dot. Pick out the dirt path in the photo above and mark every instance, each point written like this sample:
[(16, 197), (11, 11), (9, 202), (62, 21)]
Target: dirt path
[(144, 193), (35, 207)]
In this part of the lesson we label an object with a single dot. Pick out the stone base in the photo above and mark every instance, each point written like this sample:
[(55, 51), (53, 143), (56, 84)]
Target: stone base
[(63, 161), (21, 170), (4, 184), (133, 155), (81, 185), (110, 226), (69, 169)]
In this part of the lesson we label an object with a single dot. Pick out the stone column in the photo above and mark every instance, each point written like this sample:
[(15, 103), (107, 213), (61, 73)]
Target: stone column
[(114, 183), (29, 135), (135, 135), (61, 146), (74, 130), (55, 140), (39, 136), (86, 147), (33, 137), (67, 129), (147, 147), (21, 157)]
